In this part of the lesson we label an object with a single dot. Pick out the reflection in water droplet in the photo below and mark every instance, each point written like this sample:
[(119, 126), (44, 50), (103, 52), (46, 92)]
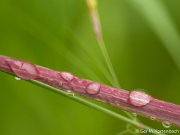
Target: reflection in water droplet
[(17, 78), (70, 93), (153, 118), (166, 124)]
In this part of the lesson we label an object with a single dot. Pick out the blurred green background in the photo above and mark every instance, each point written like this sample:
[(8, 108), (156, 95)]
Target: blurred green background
[(142, 38)]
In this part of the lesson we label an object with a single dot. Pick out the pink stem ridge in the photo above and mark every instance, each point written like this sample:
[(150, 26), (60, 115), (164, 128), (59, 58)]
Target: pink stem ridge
[(134, 101)]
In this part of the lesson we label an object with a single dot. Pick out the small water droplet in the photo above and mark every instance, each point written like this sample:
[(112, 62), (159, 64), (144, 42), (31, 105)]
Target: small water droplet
[(153, 118), (166, 124), (70, 93), (17, 78), (134, 114), (132, 129), (93, 88), (97, 99), (139, 98)]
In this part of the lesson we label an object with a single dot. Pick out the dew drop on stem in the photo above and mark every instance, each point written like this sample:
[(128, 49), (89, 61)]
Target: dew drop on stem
[(134, 114), (67, 76), (139, 98), (70, 93), (131, 129), (24, 70), (153, 118), (166, 124), (93, 88), (17, 78)]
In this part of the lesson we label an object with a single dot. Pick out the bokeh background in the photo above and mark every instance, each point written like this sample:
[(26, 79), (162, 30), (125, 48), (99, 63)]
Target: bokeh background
[(141, 36)]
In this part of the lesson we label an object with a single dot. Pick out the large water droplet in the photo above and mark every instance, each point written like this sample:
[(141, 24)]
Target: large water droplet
[(24, 70), (139, 98), (67, 76), (93, 88), (166, 124), (17, 78)]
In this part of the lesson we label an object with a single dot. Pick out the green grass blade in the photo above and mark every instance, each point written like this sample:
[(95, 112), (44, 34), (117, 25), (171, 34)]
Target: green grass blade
[(90, 104), (160, 21)]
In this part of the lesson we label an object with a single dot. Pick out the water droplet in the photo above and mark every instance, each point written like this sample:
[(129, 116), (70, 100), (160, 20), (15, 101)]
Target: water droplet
[(93, 88), (166, 124), (153, 118), (17, 78), (139, 98), (134, 114), (132, 129), (67, 76), (97, 99), (24, 70), (70, 93)]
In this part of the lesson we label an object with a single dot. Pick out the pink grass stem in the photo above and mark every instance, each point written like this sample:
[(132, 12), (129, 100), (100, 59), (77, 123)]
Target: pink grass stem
[(134, 101)]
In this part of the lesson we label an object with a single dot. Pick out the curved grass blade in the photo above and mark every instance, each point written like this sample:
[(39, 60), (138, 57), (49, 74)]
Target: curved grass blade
[(159, 20)]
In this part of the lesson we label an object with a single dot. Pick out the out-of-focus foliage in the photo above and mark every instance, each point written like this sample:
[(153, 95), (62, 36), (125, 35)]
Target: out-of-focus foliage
[(142, 37)]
